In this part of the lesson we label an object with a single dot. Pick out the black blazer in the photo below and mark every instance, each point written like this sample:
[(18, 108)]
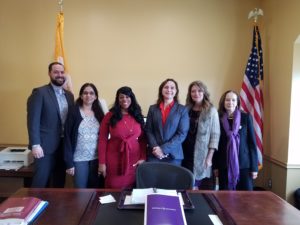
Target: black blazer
[(247, 152), (71, 135), (43, 118)]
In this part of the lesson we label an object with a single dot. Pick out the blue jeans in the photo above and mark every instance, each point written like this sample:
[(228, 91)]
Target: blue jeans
[(86, 174)]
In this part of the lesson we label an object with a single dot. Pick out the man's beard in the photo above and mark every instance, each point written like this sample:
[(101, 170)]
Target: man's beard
[(58, 82)]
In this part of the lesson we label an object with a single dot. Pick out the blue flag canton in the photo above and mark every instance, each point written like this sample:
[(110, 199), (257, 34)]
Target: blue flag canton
[(254, 69), (261, 64)]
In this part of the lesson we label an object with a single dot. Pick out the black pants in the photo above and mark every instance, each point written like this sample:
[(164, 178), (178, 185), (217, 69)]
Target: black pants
[(245, 181)]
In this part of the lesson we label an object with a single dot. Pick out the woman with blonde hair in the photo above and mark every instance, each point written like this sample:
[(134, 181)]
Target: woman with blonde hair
[(204, 133)]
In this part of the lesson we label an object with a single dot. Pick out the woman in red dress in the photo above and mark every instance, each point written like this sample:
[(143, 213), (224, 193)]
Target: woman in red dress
[(122, 146)]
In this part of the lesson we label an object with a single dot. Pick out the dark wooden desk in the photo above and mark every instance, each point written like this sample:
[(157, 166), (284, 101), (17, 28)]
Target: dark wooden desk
[(80, 206), (66, 206), (258, 207)]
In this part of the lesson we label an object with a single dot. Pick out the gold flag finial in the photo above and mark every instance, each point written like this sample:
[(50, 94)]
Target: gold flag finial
[(255, 13)]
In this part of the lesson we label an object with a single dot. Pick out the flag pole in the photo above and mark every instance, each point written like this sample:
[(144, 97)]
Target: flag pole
[(251, 95), (254, 14), (61, 5)]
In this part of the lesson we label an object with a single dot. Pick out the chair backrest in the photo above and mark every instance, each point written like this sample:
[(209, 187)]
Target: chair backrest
[(163, 175)]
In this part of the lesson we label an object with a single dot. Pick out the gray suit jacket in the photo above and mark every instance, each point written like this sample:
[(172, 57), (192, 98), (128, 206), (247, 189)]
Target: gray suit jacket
[(43, 118), (170, 136), (208, 135)]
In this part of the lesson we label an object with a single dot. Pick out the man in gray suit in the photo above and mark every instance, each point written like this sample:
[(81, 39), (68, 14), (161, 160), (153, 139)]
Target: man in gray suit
[(47, 108)]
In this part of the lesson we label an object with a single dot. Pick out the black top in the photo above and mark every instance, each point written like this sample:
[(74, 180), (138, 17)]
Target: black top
[(189, 143)]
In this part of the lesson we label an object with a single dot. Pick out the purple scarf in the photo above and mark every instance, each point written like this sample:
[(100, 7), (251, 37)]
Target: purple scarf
[(233, 143)]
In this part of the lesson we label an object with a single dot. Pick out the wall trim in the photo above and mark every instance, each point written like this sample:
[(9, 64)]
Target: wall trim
[(281, 164)]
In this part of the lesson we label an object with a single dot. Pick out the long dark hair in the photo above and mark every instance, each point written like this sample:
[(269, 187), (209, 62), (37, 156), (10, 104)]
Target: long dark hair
[(222, 109), (134, 109), (161, 86), (96, 107), (206, 103)]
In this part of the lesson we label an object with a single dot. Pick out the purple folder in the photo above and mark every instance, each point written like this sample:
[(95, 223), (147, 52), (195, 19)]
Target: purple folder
[(163, 210)]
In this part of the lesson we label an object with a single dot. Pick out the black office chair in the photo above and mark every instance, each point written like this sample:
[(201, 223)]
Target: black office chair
[(163, 175)]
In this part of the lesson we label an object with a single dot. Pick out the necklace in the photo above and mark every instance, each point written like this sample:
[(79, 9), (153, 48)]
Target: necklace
[(194, 120), (128, 126)]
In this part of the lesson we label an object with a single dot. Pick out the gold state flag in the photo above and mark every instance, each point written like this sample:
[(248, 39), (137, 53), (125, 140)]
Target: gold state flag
[(59, 54)]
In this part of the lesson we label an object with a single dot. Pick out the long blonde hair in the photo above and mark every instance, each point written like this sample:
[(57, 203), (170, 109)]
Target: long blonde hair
[(206, 103)]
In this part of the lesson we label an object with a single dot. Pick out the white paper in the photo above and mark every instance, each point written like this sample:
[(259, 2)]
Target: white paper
[(215, 219), (107, 199), (127, 200), (166, 192), (180, 198), (138, 196)]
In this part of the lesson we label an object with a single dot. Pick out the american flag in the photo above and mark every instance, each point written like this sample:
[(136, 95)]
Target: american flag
[(251, 94)]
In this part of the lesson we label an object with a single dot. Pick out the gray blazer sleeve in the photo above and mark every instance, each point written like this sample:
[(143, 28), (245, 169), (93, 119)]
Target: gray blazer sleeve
[(215, 130), (150, 127)]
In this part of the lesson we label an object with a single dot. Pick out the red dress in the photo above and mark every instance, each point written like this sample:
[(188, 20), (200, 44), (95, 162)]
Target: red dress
[(125, 146)]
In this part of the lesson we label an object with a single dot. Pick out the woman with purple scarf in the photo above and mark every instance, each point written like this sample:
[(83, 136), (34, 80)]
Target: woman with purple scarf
[(235, 162)]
